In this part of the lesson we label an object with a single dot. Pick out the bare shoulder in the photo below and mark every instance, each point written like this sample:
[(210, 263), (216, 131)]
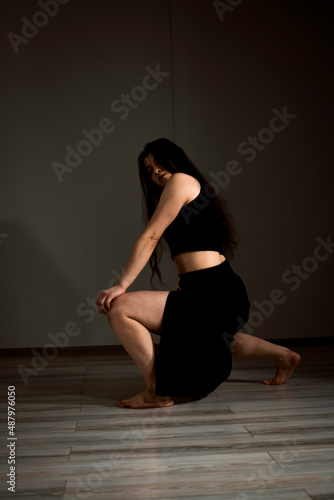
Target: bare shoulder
[(179, 190), (185, 183)]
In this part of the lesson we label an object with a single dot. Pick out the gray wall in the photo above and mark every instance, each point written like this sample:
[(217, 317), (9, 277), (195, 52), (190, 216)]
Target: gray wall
[(61, 242)]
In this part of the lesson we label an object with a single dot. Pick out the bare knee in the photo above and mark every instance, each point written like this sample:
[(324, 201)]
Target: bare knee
[(117, 308)]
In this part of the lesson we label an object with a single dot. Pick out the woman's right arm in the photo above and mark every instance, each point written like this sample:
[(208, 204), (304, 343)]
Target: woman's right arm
[(174, 195)]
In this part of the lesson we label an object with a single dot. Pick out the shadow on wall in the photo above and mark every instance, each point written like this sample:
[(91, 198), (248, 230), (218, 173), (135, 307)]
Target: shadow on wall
[(35, 294)]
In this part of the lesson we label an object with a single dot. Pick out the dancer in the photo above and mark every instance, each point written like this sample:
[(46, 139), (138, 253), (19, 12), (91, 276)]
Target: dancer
[(200, 322)]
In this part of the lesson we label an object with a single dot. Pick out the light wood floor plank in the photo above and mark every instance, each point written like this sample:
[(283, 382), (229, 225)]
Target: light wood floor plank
[(244, 441)]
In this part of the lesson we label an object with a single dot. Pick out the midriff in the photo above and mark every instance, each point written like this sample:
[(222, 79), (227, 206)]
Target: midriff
[(193, 261)]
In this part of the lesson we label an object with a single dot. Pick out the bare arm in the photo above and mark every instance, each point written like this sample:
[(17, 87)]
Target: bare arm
[(140, 255), (175, 194), (172, 199)]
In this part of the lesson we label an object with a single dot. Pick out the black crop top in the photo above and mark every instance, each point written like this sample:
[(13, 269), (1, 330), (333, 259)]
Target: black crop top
[(195, 228)]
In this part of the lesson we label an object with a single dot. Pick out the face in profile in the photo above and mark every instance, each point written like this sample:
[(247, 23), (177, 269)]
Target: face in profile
[(157, 172)]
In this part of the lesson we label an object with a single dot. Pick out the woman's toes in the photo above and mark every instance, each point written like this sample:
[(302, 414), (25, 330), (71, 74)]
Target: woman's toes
[(285, 368), (145, 399)]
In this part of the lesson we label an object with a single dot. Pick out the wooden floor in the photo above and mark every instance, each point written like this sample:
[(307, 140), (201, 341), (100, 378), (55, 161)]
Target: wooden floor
[(244, 441)]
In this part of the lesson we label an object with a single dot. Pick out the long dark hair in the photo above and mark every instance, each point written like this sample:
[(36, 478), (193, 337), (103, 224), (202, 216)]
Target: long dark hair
[(173, 159)]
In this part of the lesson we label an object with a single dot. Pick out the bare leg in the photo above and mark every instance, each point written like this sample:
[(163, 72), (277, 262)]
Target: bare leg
[(127, 316), (247, 346)]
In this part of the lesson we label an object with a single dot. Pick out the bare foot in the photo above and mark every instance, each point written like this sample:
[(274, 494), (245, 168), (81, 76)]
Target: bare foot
[(146, 399), (285, 366)]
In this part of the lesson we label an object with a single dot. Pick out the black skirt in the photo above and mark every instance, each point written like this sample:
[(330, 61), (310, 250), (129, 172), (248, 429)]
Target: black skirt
[(198, 326)]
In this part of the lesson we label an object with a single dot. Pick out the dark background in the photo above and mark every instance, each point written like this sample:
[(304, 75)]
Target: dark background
[(61, 242)]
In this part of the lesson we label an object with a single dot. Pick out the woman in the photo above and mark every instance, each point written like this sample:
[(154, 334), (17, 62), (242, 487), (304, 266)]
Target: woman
[(199, 320)]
